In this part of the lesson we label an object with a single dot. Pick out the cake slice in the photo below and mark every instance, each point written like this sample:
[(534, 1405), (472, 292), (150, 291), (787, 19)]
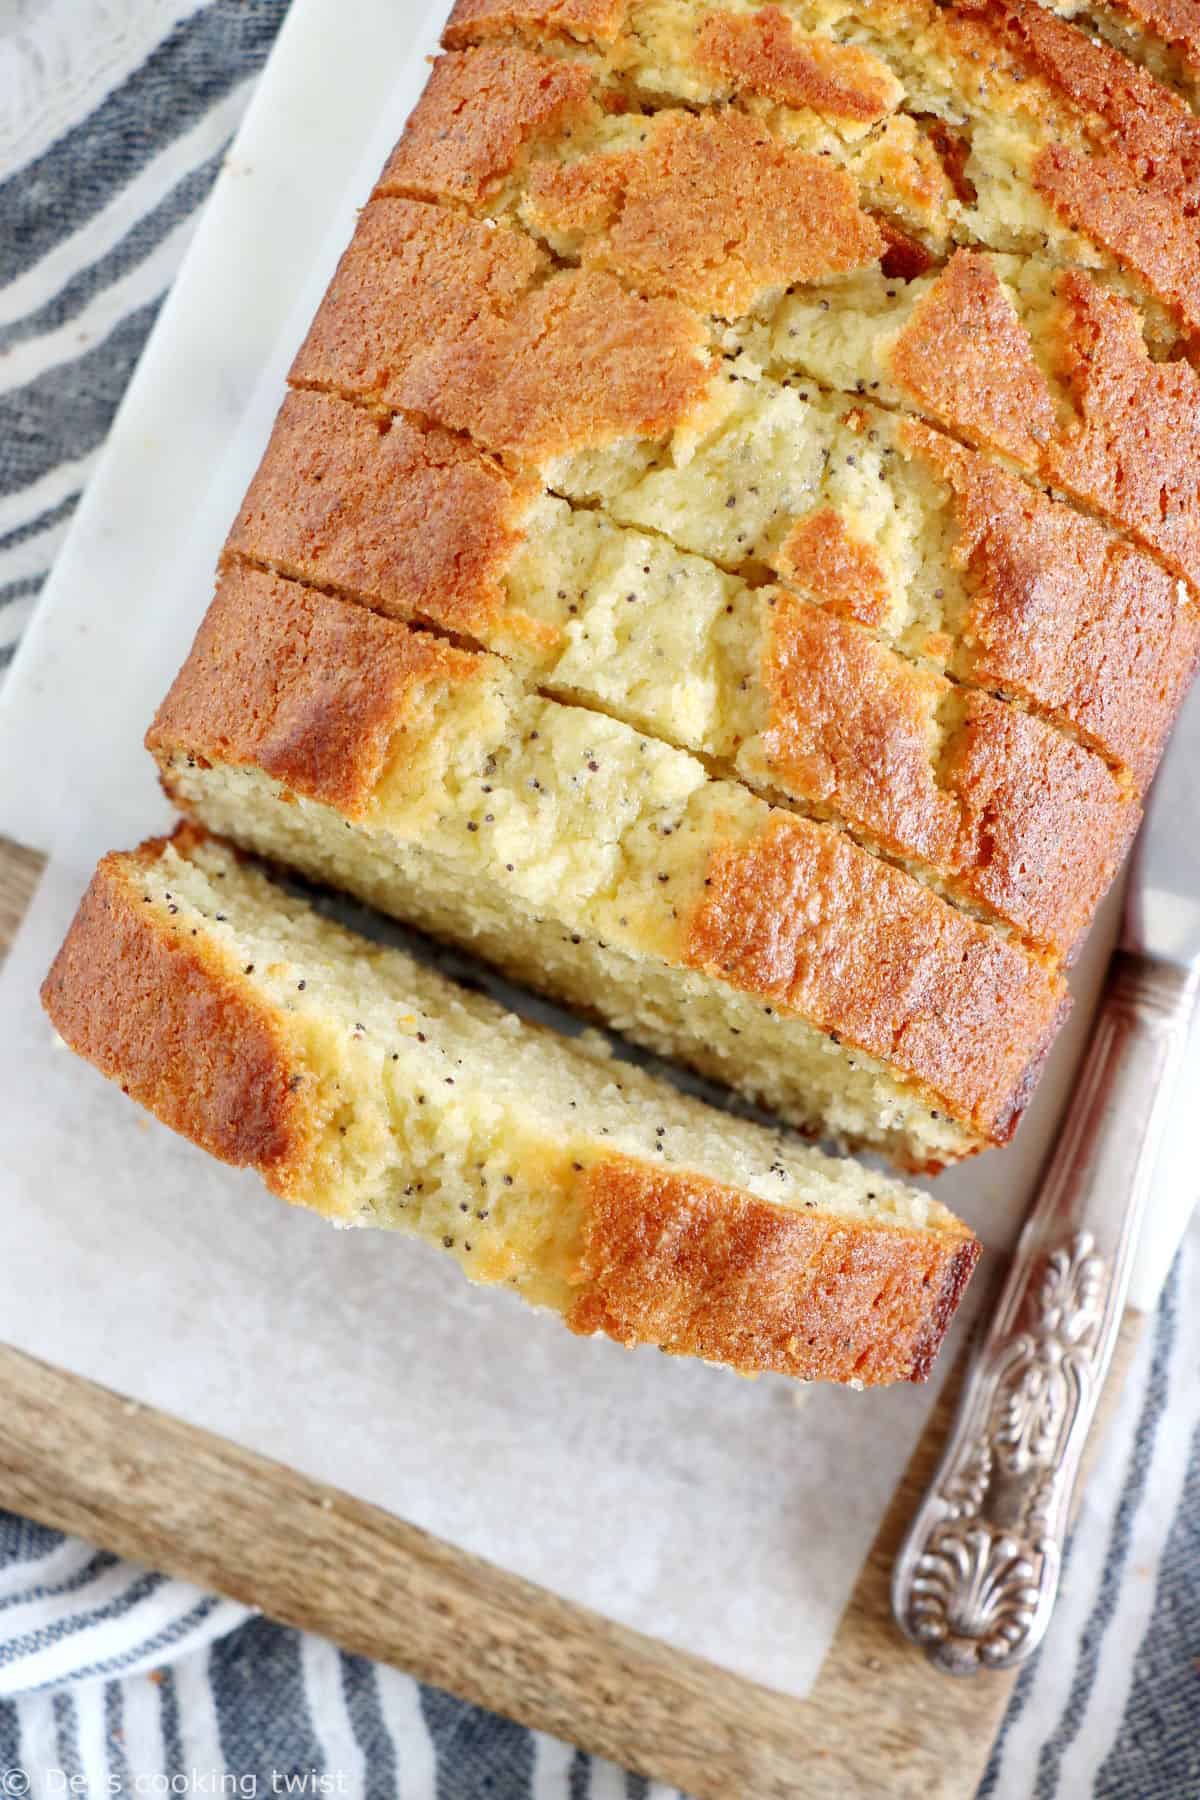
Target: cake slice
[(366, 1086), (605, 868), (992, 805), (468, 324)]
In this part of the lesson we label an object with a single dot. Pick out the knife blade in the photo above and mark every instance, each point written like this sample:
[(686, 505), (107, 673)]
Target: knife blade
[(1162, 900)]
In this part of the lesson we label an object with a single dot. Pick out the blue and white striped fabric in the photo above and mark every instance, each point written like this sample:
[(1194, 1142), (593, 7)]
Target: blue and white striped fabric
[(114, 115)]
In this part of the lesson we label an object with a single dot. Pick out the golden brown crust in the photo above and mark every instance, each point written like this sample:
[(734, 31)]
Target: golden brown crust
[(1146, 120), (952, 1290), (438, 314), (711, 209), (582, 364), (1137, 190), (415, 522), (163, 1014), (704, 1270), (410, 274), (1147, 232), (762, 53), (849, 728), (1130, 447), (1177, 22), (1013, 815), (308, 689), (1064, 614), (1043, 823), (817, 926), (965, 356), (1133, 448), (823, 558), (480, 111), (592, 21)]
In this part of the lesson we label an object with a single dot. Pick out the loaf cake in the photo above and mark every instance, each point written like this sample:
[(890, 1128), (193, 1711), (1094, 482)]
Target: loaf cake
[(953, 556), (764, 388), (730, 550), (363, 1084)]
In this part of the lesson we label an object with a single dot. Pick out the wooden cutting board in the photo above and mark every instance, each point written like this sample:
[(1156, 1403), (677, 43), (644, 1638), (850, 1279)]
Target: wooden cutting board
[(879, 1720)]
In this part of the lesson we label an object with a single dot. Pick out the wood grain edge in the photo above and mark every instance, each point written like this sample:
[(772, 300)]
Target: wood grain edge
[(147, 1486), (20, 871), (76, 1456)]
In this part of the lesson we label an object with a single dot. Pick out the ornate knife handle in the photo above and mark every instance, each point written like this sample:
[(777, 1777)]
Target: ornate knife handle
[(975, 1581)]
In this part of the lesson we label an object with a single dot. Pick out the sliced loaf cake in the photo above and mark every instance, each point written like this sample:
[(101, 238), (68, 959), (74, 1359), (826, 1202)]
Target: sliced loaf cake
[(729, 554), (787, 688), (987, 122), (827, 156), (366, 1086), (618, 401), (606, 868)]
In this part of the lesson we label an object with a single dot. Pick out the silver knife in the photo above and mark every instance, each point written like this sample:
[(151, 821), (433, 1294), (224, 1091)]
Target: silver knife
[(975, 1581)]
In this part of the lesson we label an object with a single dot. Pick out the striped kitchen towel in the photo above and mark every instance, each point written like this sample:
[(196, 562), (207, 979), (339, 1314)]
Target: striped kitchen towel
[(114, 116)]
